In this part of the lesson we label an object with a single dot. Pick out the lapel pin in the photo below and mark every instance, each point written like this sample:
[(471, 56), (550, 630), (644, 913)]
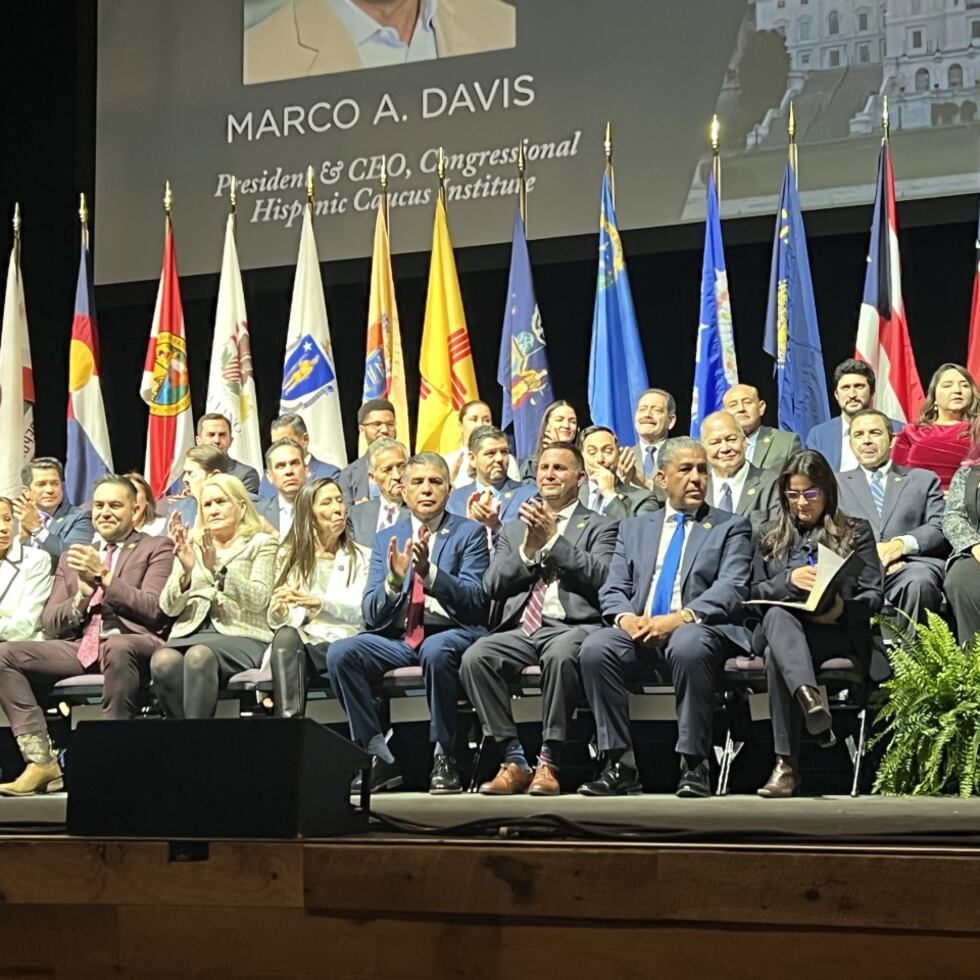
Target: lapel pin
[(132, 544), (508, 494), (767, 439), (580, 524), (750, 491), (445, 530), (706, 525)]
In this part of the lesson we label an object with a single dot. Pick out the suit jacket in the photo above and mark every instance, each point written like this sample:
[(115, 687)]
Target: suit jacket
[(512, 495), (68, 525), (132, 597), (25, 584), (579, 560), (306, 37), (269, 509), (186, 507), (715, 573), (630, 501), (354, 482), (247, 474), (236, 597), (826, 438), (364, 520), (459, 551), (913, 505), (758, 501), (316, 468), (773, 447)]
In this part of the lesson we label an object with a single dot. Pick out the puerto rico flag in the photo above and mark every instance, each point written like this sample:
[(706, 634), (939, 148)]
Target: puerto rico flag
[(883, 334), (89, 455)]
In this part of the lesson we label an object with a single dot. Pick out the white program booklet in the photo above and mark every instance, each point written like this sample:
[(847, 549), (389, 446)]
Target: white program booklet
[(830, 570)]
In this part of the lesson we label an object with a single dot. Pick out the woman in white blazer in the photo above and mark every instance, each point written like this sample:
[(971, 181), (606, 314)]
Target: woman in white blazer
[(25, 581), (320, 579)]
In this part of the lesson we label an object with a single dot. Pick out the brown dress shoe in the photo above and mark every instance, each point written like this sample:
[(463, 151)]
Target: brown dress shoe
[(545, 781), (816, 715), (509, 781), (783, 781)]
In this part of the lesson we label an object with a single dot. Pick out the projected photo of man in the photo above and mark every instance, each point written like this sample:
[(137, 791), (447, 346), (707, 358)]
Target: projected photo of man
[(296, 38)]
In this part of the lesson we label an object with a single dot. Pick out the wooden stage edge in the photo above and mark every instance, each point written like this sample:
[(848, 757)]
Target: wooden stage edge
[(408, 909)]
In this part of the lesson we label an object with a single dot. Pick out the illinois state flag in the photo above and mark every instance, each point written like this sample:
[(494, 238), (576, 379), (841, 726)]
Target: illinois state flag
[(166, 385), (446, 362), (89, 455), (309, 381), (231, 386), (384, 364), (883, 333), (16, 381)]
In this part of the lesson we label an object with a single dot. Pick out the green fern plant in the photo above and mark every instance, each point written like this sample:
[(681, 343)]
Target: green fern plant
[(931, 719)]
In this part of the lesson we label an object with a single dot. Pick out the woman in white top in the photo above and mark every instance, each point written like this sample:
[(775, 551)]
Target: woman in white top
[(25, 581), (319, 584)]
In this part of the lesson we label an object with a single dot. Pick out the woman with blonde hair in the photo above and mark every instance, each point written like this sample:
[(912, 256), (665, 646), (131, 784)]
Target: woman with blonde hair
[(218, 592), (320, 580)]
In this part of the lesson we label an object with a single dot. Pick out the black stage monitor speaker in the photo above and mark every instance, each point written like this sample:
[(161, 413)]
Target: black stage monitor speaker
[(234, 777)]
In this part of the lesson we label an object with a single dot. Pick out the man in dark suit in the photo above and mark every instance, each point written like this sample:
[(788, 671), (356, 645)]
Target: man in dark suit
[(200, 462), (655, 416), (493, 498), (46, 520), (103, 616), (905, 510), (424, 604), (734, 484), (386, 467), (292, 426), (675, 590), (214, 429), (375, 420), (604, 491), (766, 448), (287, 472), (546, 572), (854, 390)]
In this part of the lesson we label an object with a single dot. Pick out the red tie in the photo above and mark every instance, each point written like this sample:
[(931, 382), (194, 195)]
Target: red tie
[(531, 617), (414, 619), (88, 649)]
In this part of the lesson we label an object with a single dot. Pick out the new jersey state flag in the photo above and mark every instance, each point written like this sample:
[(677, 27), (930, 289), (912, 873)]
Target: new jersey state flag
[(89, 455), (309, 381), (166, 385)]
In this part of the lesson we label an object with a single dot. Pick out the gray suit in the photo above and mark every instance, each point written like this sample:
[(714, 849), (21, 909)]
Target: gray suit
[(353, 481), (758, 501), (913, 505), (630, 501), (364, 520), (578, 562), (773, 447)]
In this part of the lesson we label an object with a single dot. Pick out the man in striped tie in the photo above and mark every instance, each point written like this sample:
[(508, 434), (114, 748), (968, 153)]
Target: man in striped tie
[(676, 584), (546, 573)]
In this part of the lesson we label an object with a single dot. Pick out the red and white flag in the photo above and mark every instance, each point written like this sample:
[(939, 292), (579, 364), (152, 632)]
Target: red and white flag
[(883, 333), (166, 385), (973, 346)]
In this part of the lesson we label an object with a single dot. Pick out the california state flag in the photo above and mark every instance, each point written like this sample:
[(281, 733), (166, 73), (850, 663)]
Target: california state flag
[(166, 385), (231, 385)]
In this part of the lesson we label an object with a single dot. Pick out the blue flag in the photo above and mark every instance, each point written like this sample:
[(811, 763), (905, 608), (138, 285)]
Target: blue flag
[(715, 367), (792, 337), (617, 370), (522, 371)]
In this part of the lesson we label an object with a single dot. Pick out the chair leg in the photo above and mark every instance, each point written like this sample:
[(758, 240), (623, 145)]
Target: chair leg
[(477, 757), (857, 752)]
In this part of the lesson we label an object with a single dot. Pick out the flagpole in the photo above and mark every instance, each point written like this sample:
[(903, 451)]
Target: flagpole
[(522, 185), (885, 122), (17, 233), (793, 154), (83, 219), (384, 191), (442, 176), (608, 147), (716, 156), (310, 189), (233, 203), (168, 207)]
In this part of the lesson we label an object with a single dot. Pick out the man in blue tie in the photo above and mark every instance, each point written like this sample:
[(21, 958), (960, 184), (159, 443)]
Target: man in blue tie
[(674, 595), (656, 415)]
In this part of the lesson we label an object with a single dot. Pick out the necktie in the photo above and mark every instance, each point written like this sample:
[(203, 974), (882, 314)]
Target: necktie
[(649, 460), (531, 617), (595, 499), (387, 517), (664, 591), (878, 490), (414, 619), (88, 649), (727, 503)]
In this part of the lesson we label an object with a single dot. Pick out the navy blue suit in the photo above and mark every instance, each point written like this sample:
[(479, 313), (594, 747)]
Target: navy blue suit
[(826, 437), (715, 576), (459, 552), (512, 495), (316, 467), (67, 526)]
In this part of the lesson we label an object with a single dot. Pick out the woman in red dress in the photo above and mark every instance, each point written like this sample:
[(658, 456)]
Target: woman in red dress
[(940, 440)]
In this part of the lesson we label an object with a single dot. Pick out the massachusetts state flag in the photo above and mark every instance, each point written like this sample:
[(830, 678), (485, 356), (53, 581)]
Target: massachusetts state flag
[(166, 385), (309, 381), (89, 455), (16, 380), (973, 349), (883, 334)]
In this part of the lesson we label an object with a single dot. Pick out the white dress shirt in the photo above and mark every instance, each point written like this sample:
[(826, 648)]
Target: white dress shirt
[(848, 461), (665, 538), (751, 441), (552, 607), (387, 514), (380, 46), (285, 517), (736, 482)]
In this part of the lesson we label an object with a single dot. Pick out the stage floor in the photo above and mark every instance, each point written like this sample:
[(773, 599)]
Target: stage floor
[(832, 818)]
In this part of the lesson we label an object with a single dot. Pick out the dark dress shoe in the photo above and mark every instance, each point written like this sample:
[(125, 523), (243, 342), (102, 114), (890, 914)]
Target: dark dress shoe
[(783, 781), (695, 781), (816, 715), (384, 776), (616, 780), (445, 777)]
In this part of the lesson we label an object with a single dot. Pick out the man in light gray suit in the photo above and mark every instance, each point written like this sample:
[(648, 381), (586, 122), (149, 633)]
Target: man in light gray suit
[(905, 510), (734, 484), (766, 448)]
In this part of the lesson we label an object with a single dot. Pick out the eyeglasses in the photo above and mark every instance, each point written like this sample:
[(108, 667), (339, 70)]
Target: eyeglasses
[(378, 425), (808, 495)]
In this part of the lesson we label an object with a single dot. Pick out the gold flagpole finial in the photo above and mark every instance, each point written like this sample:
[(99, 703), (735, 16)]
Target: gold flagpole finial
[(441, 171), (791, 123), (233, 194), (310, 186), (521, 159), (794, 158), (16, 219), (83, 209), (168, 199), (885, 122), (384, 173), (715, 132), (607, 144), (522, 183)]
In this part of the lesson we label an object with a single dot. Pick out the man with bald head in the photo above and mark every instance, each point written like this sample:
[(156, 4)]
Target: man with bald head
[(766, 448)]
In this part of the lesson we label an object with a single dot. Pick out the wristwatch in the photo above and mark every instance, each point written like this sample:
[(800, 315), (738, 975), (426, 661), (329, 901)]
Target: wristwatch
[(688, 616)]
